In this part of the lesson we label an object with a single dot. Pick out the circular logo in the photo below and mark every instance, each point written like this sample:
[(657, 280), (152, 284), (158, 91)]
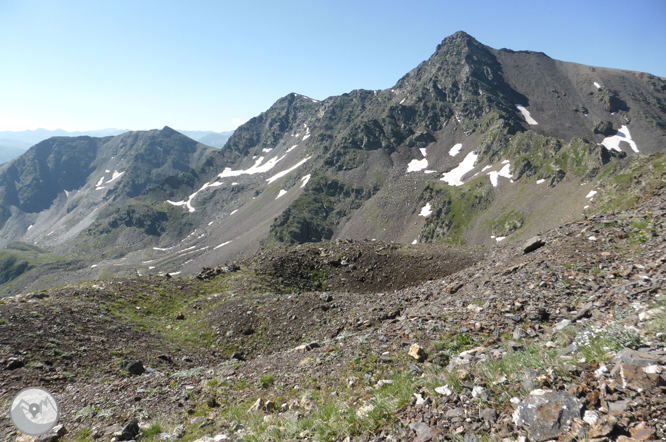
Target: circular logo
[(34, 411)]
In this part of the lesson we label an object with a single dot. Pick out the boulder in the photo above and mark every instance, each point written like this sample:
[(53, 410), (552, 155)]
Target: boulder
[(547, 415), (134, 367), (533, 244), (130, 430), (605, 128)]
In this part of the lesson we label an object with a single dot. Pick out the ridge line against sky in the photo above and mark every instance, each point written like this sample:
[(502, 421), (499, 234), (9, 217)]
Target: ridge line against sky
[(210, 65)]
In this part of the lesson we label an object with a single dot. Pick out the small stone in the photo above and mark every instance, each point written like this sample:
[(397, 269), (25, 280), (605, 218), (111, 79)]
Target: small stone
[(419, 428), (444, 390), (564, 323), (642, 432), (603, 427), (635, 378), (480, 393), (14, 363), (601, 371), (421, 401), (519, 333), (489, 415), (258, 405), (591, 417), (417, 352), (365, 410), (179, 316)]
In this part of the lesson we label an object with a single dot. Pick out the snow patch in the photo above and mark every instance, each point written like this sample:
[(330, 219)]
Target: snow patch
[(622, 135), (306, 137), (292, 148), (257, 167), (282, 193), (403, 100), (486, 168), (221, 245), (455, 150), (100, 182), (305, 180), (454, 177), (415, 241), (423, 151), (504, 172), (500, 238), (115, 176), (279, 175), (526, 115), (266, 150), (30, 226), (188, 203), (417, 165), (163, 250), (597, 85), (426, 210), (591, 194), (233, 212), (540, 181), (429, 171)]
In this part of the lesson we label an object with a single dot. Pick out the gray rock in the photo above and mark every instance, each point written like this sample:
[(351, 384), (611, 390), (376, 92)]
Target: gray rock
[(419, 428), (569, 349), (519, 333), (633, 357), (130, 430), (533, 244), (564, 323), (605, 128), (14, 363), (134, 367), (489, 415), (547, 416)]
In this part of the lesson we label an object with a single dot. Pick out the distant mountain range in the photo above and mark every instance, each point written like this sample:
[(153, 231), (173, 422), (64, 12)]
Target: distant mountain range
[(474, 146), (13, 144)]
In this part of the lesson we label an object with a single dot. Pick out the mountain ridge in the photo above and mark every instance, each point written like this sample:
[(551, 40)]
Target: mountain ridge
[(456, 152)]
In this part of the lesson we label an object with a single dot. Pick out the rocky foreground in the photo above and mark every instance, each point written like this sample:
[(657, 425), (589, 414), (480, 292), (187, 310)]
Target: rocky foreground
[(557, 338)]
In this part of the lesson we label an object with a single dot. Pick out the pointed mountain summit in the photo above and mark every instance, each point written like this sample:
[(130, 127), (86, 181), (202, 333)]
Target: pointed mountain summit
[(474, 146)]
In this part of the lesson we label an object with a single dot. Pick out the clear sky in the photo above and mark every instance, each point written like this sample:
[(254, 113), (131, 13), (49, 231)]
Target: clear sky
[(206, 65)]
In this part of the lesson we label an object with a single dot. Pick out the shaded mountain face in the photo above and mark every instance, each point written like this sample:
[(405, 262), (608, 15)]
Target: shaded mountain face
[(475, 145), (58, 184)]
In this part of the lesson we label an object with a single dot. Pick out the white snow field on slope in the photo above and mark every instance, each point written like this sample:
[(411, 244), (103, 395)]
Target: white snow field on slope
[(426, 210), (455, 150), (305, 180), (526, 115), (454, 177), (257, 167), (613, 143), (417, 165), (504, 172), (279, 175)]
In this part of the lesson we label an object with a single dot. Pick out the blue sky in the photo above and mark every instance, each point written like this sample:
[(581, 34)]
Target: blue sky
[(206, 65)]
